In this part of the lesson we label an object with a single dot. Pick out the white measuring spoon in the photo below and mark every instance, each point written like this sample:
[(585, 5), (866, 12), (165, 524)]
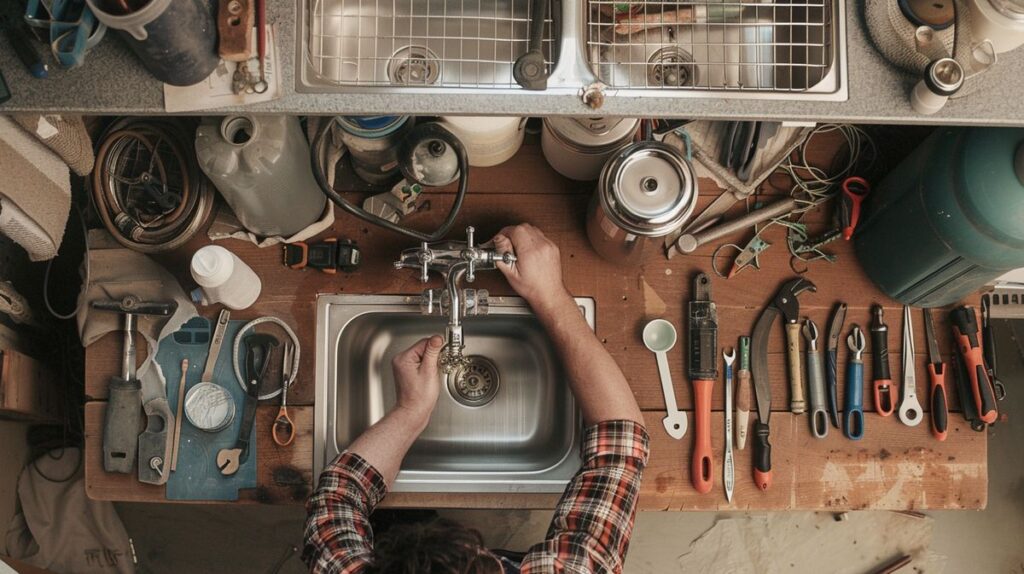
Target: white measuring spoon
[(660, 337)]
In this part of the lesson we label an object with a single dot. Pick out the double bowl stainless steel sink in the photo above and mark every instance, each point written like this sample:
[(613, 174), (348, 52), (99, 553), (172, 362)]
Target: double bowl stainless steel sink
[(778, 49), (509, 425)]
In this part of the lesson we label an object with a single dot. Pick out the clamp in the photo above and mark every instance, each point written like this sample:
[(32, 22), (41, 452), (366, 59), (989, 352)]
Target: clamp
[(328, 256)]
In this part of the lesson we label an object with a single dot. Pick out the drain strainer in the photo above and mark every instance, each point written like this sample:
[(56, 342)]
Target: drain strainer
[(414, 66), (476, 384), (671, 67)]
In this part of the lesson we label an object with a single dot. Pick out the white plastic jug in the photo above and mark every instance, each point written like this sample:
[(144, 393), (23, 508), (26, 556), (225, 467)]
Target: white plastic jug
[(223, 278), (260, 164)]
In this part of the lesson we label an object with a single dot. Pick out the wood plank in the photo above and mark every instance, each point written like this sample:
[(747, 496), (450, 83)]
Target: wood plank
[(893, 467), (284, 474), (29, 389)]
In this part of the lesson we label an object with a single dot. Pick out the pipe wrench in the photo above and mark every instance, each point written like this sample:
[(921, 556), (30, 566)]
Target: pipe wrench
[(785, 304)]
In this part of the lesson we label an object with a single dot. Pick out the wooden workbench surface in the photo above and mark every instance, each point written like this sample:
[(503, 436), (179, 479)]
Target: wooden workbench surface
[(893, 467)]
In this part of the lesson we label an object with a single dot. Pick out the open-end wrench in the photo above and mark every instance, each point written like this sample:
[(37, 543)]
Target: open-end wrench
[(853, 413), (815, 382), (728, 469), (910, 409)]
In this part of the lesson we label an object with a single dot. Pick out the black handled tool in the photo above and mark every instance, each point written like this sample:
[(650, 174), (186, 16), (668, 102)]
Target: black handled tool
[(258, 348), (968, 342), (885, 402), (785, 304), (936, 380), (835, 333)]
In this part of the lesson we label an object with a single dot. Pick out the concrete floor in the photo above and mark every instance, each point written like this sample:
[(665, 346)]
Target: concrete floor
[(216, 538)]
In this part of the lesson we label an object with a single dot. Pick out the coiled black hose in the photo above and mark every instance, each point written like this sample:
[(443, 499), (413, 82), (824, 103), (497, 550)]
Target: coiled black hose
[(430, 130)]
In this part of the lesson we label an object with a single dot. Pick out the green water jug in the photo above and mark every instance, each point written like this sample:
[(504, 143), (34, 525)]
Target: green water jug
[(948, 219)]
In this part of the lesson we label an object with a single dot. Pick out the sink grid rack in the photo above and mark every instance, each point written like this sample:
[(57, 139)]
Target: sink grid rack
[(770, 46), (420, 43)]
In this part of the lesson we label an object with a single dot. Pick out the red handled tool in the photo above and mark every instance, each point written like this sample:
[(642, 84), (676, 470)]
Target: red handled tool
[(855, 189), (936, 381), (784, 303), (885, 392), (968, 342), (702, 336)]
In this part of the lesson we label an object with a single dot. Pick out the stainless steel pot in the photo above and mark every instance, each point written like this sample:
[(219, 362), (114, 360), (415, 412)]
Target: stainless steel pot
[(645, 192), (579, 147), (372, 143)]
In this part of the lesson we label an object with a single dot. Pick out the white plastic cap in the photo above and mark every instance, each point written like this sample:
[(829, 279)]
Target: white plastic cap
[(212, 266)]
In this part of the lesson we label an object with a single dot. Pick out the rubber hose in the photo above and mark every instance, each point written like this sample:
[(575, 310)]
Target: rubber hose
[(441, 133)]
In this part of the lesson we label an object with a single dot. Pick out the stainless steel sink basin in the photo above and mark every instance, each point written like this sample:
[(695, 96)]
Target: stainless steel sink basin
[(765, 49), (509, 425)]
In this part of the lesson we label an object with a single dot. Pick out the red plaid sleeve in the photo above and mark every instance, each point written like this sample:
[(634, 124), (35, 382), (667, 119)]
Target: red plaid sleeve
[(338, 534), (594, 518)]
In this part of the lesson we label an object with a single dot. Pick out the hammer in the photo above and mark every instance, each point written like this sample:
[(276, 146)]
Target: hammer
[(124, 417)]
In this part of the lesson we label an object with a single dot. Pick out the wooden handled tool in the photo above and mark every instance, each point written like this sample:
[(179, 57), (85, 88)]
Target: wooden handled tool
[(234, 28), (743, 394)]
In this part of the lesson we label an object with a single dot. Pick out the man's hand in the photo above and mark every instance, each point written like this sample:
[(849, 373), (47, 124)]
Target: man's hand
[(537, 273), (417, 383)]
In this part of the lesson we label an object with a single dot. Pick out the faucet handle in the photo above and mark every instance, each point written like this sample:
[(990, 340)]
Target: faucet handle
[(425, 257), (470, 231)]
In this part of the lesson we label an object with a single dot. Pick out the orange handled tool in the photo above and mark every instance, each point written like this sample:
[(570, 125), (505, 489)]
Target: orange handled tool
[(702, 336), (968, 342), (855, 189), (936, 381)]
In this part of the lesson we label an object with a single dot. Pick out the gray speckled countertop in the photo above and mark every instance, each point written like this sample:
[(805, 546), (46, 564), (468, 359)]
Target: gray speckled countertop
[(112, 81)]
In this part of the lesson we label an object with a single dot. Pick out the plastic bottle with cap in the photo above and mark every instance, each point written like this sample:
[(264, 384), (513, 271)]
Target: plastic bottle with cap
[(223, 278)]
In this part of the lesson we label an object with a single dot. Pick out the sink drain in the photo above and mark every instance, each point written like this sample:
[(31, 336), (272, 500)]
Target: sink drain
[(671, 67), (476, 384), (414, 66)]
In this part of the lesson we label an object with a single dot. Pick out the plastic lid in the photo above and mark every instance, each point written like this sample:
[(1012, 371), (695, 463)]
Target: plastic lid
[(1012, 9), (598, 132), (371, 126), (212, 265), (650, 187)]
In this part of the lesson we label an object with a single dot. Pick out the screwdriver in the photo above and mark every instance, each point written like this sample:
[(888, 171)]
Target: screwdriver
[(936, 381), (968, 341), (884, 392)]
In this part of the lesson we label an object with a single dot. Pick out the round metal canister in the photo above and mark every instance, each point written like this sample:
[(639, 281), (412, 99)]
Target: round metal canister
[(489, 140), (645, 192), (372, 144), (579, 147), (209, 407)]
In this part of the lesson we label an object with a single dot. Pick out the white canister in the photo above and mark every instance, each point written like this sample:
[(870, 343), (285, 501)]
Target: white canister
[(223, 278), (999, 21), (489, 140), (579, 147)]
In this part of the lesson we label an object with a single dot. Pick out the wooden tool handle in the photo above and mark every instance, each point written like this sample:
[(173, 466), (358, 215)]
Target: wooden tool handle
[(234, 27), (645, 21), (742, 407), (797, 403), (702, 465)]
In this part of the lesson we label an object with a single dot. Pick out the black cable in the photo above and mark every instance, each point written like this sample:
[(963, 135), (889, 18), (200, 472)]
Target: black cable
[(437, 131)]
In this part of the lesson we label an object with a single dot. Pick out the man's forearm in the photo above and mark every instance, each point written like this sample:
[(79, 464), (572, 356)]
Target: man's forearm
[(597, 381), (384, 444)]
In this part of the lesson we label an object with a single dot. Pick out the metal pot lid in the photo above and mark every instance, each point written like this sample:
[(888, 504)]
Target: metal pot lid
[(1012, 9), (649, 187), (598, 132)]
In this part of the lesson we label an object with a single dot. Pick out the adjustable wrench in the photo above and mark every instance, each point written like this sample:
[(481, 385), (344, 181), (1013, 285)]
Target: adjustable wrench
[(853, 415)]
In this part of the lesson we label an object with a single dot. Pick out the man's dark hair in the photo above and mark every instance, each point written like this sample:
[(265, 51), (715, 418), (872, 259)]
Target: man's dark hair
[(439, 546)]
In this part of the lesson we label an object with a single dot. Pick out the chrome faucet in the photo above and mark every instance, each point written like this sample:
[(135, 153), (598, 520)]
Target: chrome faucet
[(454, 260)]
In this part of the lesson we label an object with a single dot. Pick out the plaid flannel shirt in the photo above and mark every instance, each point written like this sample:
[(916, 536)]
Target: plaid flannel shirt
[(589, 533)]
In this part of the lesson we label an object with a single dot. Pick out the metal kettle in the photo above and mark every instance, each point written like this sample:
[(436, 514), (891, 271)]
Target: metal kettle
[(645, 192)]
